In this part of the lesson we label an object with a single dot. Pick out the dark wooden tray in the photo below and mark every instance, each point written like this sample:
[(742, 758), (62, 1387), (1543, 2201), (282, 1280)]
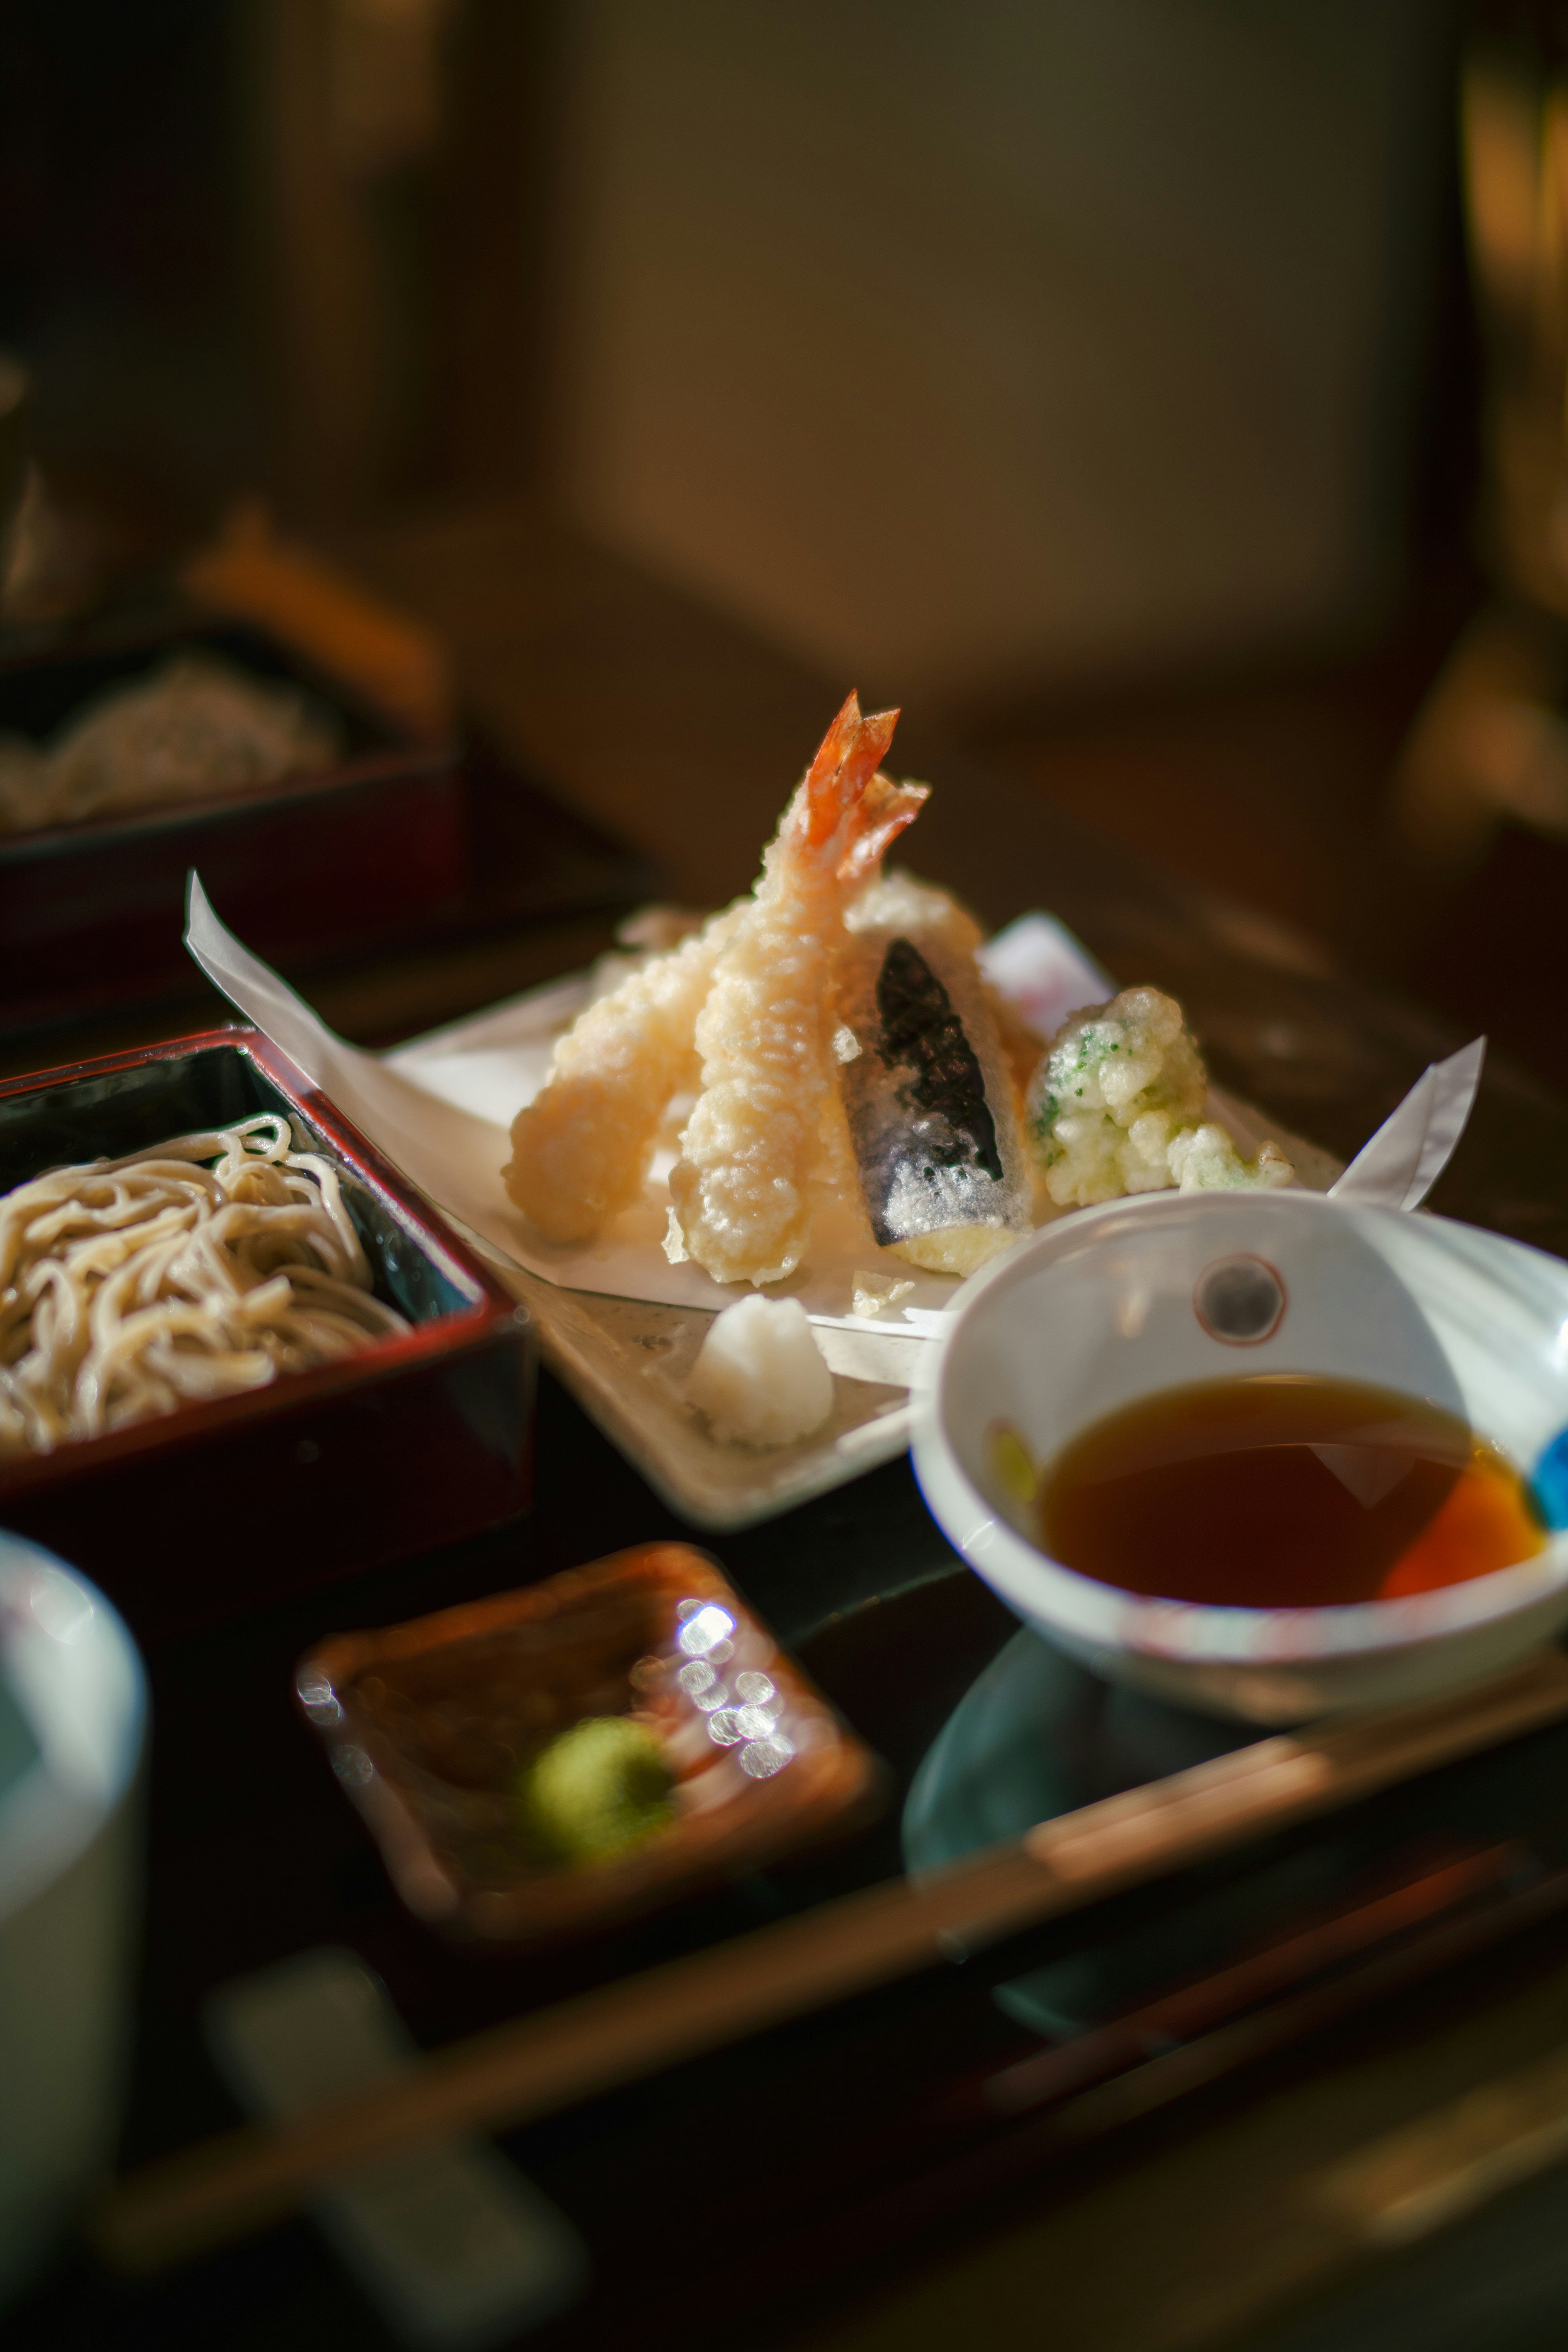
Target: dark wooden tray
[(834, 2150)]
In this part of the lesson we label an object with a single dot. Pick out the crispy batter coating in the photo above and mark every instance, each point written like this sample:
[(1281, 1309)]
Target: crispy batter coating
[(742, 1186), (1115, 1104), (581, 1149), (939, 1161), (760, 978), (1206, 1160)]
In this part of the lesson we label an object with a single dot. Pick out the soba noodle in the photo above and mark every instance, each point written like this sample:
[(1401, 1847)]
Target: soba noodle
[(201, 1267)]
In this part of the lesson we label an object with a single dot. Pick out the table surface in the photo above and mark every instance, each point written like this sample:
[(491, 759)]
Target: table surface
[(682, 733)]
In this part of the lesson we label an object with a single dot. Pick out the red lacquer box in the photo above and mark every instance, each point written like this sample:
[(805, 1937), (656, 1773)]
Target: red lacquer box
[(357, 853), (216, 1508)]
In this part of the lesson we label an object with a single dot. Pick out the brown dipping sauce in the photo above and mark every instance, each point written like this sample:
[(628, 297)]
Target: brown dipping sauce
[(1284, 1491)]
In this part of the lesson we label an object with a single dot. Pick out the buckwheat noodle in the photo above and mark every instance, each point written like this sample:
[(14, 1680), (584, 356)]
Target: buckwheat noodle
[(200, 1268)]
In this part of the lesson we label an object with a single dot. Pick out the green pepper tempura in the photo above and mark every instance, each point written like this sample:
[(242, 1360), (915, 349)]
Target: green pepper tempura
[(1116, 1104)]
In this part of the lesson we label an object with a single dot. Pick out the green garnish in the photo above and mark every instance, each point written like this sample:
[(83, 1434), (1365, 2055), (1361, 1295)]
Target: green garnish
[(594, 1791)]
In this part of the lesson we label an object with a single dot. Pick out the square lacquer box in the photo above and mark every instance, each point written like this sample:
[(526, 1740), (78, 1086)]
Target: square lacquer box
[(221, 1507)]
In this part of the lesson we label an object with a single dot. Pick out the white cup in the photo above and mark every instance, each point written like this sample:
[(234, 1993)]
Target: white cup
[(73, 1710)]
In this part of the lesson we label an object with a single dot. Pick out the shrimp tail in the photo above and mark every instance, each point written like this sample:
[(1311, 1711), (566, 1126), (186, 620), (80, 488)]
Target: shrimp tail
[(884, 812), (846, 759)]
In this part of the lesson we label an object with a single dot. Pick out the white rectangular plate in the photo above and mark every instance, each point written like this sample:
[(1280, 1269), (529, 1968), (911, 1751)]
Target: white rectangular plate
[(618, 1323)]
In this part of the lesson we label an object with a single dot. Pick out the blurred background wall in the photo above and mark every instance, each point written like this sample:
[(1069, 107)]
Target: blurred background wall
[(122, 211), (962, 348), (967, 346), (1099, 375)]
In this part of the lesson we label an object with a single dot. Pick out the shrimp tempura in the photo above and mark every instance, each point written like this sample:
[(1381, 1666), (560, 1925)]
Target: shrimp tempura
[(581, 1149), (740, 1187)]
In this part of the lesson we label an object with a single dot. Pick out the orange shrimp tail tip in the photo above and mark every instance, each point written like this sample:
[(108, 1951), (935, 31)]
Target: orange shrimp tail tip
[(835, 745), (885, 811), (833, 785)]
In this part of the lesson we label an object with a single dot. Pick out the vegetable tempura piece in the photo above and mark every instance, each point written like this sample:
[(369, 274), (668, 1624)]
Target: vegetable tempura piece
[(742, 1184), (1206, 1160), (1116, 1082), (761, 1378), (925, 1081), (1114, 1108)]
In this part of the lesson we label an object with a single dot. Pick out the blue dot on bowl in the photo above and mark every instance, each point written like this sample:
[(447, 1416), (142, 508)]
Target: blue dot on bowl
[(1549, 1483)]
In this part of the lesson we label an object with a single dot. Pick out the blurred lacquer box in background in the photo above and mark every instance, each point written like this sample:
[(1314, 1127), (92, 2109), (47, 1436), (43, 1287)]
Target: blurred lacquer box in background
[(349, 854)]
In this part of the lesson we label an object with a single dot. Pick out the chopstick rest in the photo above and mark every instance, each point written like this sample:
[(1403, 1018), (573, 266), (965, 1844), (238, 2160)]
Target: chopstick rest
[(455, 2248)]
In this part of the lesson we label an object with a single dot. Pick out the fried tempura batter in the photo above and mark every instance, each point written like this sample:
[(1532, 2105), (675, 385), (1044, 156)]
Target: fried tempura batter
[(581, 1149), (1115, 1104), (741, 1185)]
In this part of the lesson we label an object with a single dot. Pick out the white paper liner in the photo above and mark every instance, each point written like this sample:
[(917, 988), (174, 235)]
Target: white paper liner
[(441, 1110), (1403, 1160)]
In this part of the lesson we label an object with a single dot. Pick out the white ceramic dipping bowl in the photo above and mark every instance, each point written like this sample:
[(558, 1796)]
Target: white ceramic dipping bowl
[(1111, 1304)]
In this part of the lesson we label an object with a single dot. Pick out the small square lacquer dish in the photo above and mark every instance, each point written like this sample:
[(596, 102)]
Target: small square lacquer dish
[(543, 1763)]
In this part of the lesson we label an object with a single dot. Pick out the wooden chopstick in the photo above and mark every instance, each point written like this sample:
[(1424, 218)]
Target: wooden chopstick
[(244, 2180), (1427, 2173)]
